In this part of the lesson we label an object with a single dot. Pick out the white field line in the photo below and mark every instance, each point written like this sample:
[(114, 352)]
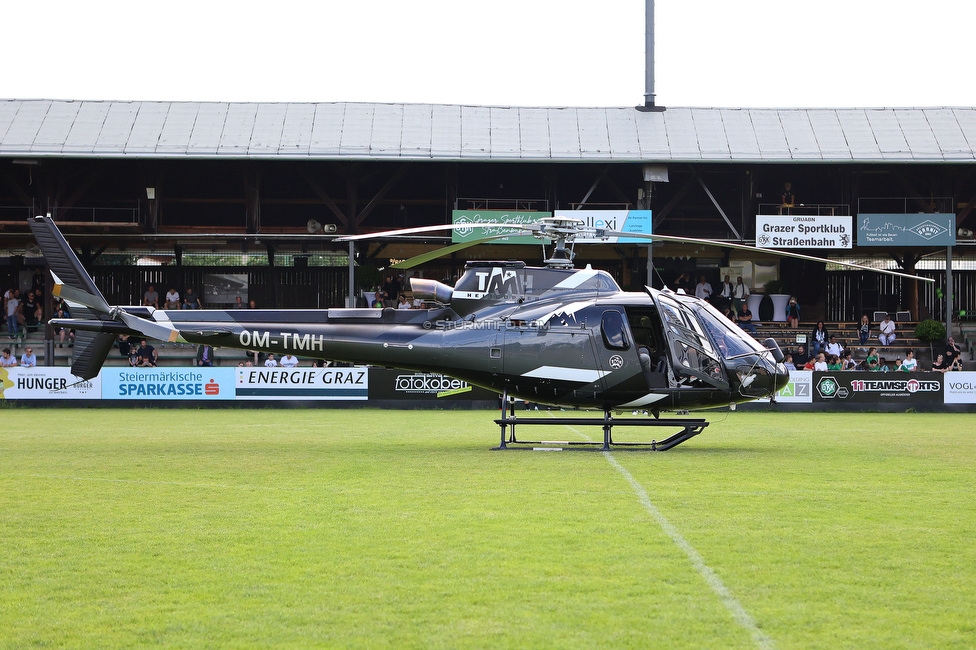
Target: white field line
[(724, 594), (221, 486)]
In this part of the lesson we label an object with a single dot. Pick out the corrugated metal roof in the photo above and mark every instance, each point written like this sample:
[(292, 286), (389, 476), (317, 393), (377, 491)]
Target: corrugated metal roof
[(44, 128)]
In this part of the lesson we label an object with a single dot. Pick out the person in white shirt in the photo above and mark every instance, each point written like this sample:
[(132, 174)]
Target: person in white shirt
[(887, 333), (289, 361), (910, 364), (28, 359), (703, 290), (726, 292), (271, 362), (821, 363), (833, 347), (739, 293)]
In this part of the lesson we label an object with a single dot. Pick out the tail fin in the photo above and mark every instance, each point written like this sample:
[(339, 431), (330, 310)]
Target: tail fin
[(74, 284)]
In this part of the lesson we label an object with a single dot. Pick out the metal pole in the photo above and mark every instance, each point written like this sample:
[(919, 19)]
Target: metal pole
[(948, 291), (648, 53), (351, 298)]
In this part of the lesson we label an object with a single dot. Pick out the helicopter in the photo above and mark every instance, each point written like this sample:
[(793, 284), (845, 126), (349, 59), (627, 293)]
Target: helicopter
[(552, 335)]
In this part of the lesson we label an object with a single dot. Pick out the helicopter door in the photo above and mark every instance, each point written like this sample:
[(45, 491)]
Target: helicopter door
[(694, 359)]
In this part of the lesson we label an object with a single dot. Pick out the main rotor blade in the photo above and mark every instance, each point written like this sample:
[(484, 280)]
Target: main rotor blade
[(423, 258), (753, 249), (514, 229)]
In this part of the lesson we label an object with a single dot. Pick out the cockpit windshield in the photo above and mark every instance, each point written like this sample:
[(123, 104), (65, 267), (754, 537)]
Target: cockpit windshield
[(729, 338)]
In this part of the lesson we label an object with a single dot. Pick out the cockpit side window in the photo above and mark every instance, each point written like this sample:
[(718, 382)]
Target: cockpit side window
[(614, 335)]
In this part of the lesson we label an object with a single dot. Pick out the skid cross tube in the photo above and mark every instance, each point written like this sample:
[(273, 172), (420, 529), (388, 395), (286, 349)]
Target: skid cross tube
[(690, 427)]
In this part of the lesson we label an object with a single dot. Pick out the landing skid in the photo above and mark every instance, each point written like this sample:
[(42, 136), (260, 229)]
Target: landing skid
[(690, 427)]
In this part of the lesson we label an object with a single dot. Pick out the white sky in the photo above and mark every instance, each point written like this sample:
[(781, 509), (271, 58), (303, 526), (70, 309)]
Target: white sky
[(755, 53)]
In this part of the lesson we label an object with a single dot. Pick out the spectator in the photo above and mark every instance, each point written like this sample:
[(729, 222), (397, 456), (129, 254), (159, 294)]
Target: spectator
[(744, 318), (289, 360), (205, 355), (801, 357), (788, 361), (819, 338), (404, 303), (172, 299), (725, 293), (703, 289), (146, 355), (872, 362), (910, 364), (378, 300), (793, 313), (271, 362), (788, 198), (847, 361), (682, 283), (191, 300), (13, 313), (32, 312), (125, 349), (939, 365), (739, 294), (391, 289), (897, 366), (28, 359), (239, 304), (864, 330), (834, 347), (883, 365), (64, 332), (151, 298), (7, 360), (38, 281), (952, 352), (887, 331), (834, 363), (821, 363)]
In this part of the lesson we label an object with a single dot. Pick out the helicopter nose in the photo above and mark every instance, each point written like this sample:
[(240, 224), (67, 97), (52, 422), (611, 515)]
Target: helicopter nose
[(781, 377)]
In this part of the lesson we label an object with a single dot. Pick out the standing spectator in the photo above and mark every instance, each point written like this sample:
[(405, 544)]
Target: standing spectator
[(146, 355), (191, 300), (37, 280), (289, 360), (28, 359), (739, 293), (682, 283), (205, 355), (7, 360), (32, 312), (271, 362), (703, 289), (725, 293), (819, 338), (151, 298), (172, 299), (887, 331), (13, 313)]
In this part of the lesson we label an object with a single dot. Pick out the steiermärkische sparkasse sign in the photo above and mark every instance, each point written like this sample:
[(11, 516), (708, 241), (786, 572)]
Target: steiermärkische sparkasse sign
[(804, 231)]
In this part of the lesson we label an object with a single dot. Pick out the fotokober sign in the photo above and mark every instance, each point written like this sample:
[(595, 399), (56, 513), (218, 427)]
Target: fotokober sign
[(804, 232)]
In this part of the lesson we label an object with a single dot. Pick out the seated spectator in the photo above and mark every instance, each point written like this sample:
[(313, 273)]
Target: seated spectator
[(820, 363), (64, 332), (271, 362), (28, 359), (883, 365), (191, 300), (834, 363), (834, 347), (146, 355), (940, 365), (952, 351), (403, 303), (377, 300), (801, 357), (864, 330), (7, 360), (793, 313), (910, 364), (818, 338), (205, 355), (289, 361), (847, 361), (172, 299), (872, 362), (744, 318), (887, 331)]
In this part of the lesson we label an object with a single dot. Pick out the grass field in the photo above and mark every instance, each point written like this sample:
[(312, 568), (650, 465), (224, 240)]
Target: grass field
[(243, 528)]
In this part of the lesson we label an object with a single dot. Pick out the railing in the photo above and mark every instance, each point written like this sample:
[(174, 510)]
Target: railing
[(522, 205), (807, 209), (98, 215)]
